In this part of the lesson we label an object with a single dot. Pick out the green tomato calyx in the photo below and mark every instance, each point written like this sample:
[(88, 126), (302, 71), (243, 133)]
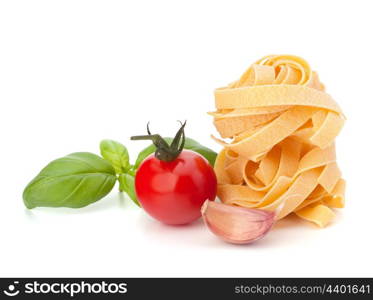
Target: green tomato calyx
[(164, 151)]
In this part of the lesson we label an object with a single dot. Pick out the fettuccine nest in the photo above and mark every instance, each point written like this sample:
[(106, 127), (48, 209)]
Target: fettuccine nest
[(282, 125)]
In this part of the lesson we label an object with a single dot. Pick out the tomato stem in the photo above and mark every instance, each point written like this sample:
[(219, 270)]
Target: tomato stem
[(164, 151)]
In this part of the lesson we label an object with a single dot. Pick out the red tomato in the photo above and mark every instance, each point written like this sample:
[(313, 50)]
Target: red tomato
[(173, 192)]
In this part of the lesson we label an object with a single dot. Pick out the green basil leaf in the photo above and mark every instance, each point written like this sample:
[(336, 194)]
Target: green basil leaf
[(75, 180), (190, 144), (207, 153), (116, 154), (127, 184)]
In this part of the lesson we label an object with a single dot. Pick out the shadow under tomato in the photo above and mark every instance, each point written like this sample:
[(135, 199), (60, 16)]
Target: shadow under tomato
[(171, 234)]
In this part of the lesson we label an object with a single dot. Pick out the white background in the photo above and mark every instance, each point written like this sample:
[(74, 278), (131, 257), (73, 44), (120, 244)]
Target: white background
[(75, 72)]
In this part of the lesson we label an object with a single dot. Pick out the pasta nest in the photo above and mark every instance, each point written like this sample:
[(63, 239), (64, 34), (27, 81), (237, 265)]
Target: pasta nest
[(282, 127)]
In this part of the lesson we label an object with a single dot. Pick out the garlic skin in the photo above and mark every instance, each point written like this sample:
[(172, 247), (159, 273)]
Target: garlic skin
[(237, 225)]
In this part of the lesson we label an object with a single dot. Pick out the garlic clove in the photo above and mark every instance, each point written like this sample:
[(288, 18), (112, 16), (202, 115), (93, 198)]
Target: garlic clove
[(237, 225)]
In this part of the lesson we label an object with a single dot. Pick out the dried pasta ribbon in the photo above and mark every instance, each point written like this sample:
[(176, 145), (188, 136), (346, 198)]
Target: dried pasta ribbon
[(282, 125)]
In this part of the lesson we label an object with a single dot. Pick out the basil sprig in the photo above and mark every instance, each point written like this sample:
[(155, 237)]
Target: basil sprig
[(118, 156), (82, 178)]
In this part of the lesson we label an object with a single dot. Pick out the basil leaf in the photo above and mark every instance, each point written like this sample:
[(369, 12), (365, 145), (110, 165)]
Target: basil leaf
[(116, 154), (190, 144), (207, 153), (127, 184), (75, 180)]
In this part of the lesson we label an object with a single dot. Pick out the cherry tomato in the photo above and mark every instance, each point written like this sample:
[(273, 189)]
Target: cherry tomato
[(174, 191)]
